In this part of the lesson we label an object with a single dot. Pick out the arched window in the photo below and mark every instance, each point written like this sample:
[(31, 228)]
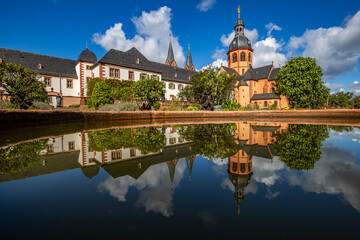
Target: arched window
[(234, 57), (275, 103), (249, 58), (265, 104), (242, 57), (234, 167), (243, 71), (242, 167), (265, 89)]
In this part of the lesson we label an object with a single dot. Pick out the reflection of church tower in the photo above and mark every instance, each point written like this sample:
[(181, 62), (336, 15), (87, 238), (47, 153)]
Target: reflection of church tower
[(240, 172), (90, 171), (170, 60), (190, 162), (240, 51), (171, 165)]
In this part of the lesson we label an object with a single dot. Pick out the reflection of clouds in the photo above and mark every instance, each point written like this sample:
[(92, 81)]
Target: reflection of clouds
[(156, 192), (208, 219), (220, 161), (354, 135), (335, 173), (335, 135), (264, 170), (251, 188), (271, 195), (226, 184)]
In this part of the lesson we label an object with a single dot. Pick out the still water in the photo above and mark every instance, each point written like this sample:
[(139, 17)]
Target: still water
[(244, 179)]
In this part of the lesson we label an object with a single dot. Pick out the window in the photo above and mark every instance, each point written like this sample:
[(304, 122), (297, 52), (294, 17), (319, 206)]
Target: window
[(265, 104), (154, 76), (234, 168), (243, 71), (88, 79), (180, 86), (172, 97), (47, 81), (172, 140), (88, 67), (116, 155), (171, 86), (72, 145), (234, 57), (132, 152), (131, 75), (242, 167), (114, 73), (50, 148), (143, 75), (242, 57), (181, 139), (249, 58), (275, 103), (49, 99), (69, 83)]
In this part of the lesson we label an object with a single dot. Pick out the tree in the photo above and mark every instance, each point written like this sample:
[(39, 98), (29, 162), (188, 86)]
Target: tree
[(91, 85), (341, 100), (186, 94), (210, 88), (149, 90), (211, 141), (21, 84), (101, 95), (357, 102), (299, 146), (121, 89), (300, 81), (149, 140)]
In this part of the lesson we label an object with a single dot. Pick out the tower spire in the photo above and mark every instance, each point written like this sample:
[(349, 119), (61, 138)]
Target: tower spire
[(189, 64), (170, 60), (239, 11)]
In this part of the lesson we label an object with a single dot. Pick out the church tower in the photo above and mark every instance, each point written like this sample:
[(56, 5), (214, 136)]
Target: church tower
[(170, 57), (240, 51), (189, 64)]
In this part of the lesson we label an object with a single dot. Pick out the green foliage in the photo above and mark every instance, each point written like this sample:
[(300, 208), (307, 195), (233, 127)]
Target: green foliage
[(299, 147), (74, 106), (341, 100), (144, 139), (251, 107), (20, 157), (341, 128), (121, 89), (126, 106), (212, 141), (40, 105), (210, 88), (4, 104), (300, 81), (186, 94), (91, 85), (21, 84), (218, 108), (231, 105), (194, 107), (101, 95), (356, 102), (149, 90), (157, 105)]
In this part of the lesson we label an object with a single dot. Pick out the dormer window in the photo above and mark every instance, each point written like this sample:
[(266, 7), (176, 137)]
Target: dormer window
[(39, 66), (137, 60), (175, 74)]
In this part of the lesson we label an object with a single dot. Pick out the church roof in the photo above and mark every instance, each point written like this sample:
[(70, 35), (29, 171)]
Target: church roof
[(87, 56), (264, 96), (265, 128), (91, 171), (273, 74), (258, 73), (230, 71), (49, 65), (189, 62), (170, 57), (240, 41)]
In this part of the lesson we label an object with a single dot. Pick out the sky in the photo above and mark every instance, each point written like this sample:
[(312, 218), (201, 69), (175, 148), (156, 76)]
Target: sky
[(326, 30)]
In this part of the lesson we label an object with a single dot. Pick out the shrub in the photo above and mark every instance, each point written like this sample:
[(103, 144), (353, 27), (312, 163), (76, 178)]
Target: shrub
[(231, 105), (157, 105), (218, 108), (251, 107), (74, 105), (101, 95), (40, 105), (194, 107), (4, 104), (119, 107)]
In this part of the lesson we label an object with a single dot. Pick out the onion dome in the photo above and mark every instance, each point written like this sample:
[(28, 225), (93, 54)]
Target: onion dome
[(87, 56)]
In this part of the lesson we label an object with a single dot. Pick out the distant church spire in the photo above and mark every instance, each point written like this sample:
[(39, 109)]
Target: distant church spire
[(190, 162), (171, 165), (189, 64), (170, 57)]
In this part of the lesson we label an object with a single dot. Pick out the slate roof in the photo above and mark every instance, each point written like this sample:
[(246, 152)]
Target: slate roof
[(273, 74), (230, 71), (265, 128), (170, 57), (87, 56), (49, 65), (258, 73), (128, 59), (264, 96), (189, 62), (258, 151)]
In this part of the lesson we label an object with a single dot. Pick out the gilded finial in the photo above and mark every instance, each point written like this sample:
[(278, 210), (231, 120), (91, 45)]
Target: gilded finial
[(86, 45), (239, 10), (170, 36)]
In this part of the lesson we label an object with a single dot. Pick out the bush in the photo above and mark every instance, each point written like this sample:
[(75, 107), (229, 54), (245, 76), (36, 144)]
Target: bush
[(74, 105), (4, 104), (40, 105), (119, 107), (251, 107), (218, 108), (194, 107), (157, 105), (231, 105), (101, 95)]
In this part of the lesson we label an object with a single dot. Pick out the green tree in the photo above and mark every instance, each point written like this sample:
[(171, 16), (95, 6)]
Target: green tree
[(186, 94), (149, 90), (341, 100), (300, 81), (149, 140), (212, 141), (121, 89), (299, 146), (356, 102), (101, 95), (91, 85), (210, 88), (21, 84), (20, 157)]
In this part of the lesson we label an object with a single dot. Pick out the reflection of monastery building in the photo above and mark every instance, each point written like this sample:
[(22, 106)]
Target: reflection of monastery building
[(67, 78), (256, 85)]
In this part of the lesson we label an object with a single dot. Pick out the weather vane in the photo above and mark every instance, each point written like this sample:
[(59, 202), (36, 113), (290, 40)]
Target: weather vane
[(239, 10)]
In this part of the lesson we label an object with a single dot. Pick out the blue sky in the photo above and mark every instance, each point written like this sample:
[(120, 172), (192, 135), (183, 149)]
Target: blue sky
[(327, 30)]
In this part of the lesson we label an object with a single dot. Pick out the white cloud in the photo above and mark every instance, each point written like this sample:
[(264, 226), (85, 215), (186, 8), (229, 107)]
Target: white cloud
[(335, 87), (217, 63), (220, 53), (154, 184), (265, 170), (252, 35), (152, 38), (267, 51), (355, 87), (270, 27), (205, 5), (336, 49)]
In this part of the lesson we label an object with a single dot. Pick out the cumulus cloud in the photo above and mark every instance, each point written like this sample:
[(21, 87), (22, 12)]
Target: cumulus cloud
[(271, 27), (152, 38), (265, 171), (335, 173), (220, 53), (335, 87), (267, 51), (155, 196), (355, 87), (217, 63), (205, 5), (336, 49)]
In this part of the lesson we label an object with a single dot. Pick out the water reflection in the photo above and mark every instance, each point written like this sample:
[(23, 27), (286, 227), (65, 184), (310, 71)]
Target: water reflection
[(156, 160)]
